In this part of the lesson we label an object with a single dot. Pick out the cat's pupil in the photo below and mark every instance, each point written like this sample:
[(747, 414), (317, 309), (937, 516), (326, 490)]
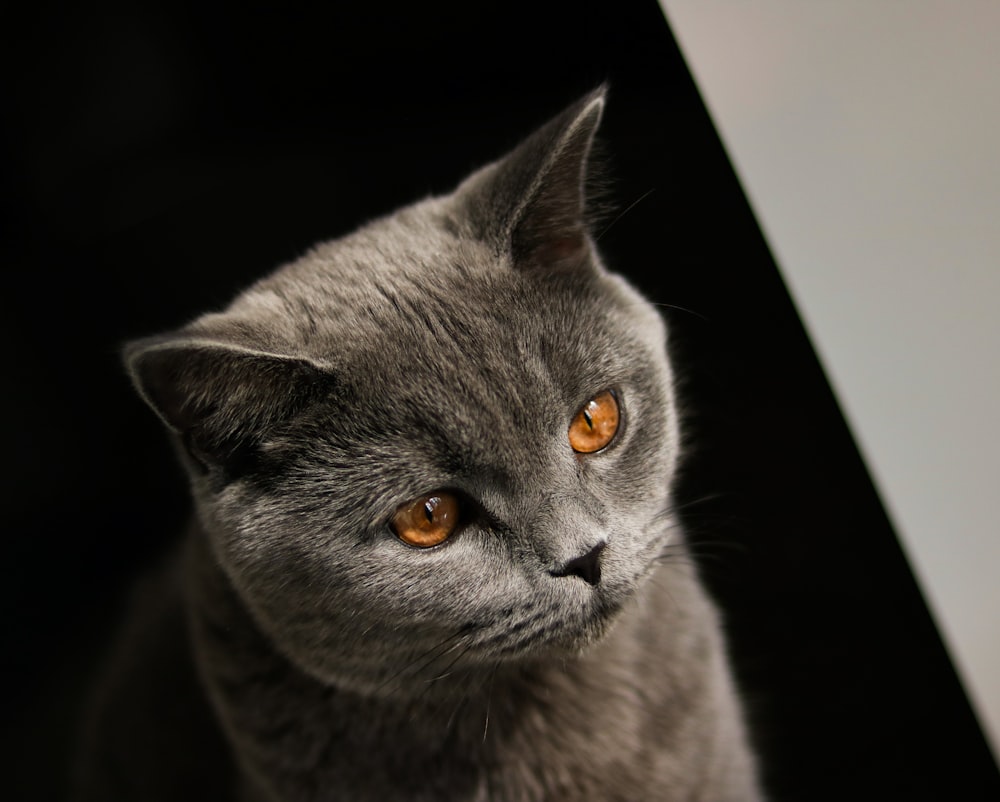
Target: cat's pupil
[(429, 511)]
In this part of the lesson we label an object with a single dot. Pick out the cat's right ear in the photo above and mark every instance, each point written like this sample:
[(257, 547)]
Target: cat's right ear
[(219, 399), (531, 204)]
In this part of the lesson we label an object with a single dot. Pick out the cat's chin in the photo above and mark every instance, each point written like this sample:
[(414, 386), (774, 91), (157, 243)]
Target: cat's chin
[(607, 609), (462, 662)]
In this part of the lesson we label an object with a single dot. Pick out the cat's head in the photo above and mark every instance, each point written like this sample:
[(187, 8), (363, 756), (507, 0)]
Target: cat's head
[(448, 437)]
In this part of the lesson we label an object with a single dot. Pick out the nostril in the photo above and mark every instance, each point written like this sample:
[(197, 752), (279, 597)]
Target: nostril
[(586, 566)]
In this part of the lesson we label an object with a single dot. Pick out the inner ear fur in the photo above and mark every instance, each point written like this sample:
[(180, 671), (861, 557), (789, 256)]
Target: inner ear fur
[(549, 228), (531, 203)]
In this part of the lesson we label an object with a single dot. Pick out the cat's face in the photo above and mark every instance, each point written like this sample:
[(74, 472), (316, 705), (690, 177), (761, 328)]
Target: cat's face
[(390, 441)]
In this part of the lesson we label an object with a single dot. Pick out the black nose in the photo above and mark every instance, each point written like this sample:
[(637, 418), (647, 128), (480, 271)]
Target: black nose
[(587, 566)]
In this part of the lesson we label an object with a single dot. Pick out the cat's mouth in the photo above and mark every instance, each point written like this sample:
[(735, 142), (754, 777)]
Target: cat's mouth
[(562, 626)]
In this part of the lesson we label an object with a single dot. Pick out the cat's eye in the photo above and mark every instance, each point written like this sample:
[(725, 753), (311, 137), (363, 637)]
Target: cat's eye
[(595, 425), (426, 521)]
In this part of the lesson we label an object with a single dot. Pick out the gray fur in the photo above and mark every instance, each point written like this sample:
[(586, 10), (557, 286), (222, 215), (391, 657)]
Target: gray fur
[(445, 346)]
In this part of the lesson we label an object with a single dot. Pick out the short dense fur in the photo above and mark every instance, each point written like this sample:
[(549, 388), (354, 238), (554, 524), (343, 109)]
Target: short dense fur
[(297, 650)]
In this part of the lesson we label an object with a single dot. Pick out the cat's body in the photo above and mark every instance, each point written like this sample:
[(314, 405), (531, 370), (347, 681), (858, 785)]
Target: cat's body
[(553, 644)]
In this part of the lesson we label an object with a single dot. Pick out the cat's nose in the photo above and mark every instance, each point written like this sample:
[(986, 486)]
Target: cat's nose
[(586, 566)]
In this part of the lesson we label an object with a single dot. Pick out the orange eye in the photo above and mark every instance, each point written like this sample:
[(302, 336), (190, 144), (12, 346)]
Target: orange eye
[(595, 425), (426, 521)]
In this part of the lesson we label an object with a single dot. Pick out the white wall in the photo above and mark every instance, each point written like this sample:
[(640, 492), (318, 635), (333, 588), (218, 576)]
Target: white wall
[(867, 136)]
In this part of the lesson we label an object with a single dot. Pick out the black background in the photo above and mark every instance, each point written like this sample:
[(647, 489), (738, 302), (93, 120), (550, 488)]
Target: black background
[(158, 158)]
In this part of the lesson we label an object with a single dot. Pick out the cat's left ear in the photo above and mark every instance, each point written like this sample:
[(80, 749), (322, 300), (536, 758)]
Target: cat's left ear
[(532, 202)]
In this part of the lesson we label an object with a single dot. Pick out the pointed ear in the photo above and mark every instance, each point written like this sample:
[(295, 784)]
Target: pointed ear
[(218, 398), (548, 228), (532, 202)]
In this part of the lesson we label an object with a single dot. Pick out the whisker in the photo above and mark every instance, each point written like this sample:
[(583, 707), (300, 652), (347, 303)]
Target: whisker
[(447, 669), (671, 511), (489, 700), (624, 212), (434, 653), (701, 552), (703, 499), (686, 310), (463, 699), (454, 712)]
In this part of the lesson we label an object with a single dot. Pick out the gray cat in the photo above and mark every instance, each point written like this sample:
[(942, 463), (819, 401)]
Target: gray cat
[(434, 555)]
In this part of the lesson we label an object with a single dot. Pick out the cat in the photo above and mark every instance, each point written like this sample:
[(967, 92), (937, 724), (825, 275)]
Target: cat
[(434, 555)]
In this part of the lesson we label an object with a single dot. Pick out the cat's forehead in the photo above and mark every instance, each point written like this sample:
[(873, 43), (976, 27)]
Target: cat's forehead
[(453, 328), (411, 287)]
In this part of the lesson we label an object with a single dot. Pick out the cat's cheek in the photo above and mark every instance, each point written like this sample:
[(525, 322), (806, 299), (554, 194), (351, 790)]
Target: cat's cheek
[(449, 580)]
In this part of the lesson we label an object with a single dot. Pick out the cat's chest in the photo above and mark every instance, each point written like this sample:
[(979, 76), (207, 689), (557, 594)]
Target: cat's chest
[(481, 748)]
